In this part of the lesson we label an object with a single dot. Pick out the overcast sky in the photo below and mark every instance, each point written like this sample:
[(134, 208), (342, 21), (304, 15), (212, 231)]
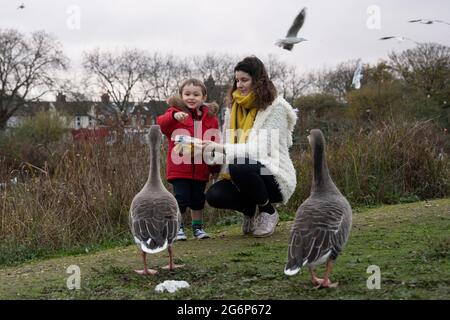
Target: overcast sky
[(336, 30)]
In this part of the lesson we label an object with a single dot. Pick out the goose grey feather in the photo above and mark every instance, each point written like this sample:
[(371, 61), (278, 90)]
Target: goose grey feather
[(154, 212), (153, 223), (323, 221)]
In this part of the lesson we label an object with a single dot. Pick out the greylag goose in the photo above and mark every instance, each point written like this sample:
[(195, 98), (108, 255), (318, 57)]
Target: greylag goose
[(154, 213), (322, 223)]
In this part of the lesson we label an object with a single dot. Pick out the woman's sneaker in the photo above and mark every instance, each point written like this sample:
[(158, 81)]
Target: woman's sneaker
[(181, 235), (199, 233), (265, 224)]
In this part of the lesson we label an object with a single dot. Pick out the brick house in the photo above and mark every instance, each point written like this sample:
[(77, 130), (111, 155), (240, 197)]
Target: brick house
[(88, 119)]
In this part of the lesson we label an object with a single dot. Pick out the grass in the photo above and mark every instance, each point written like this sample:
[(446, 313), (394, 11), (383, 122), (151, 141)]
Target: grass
[(409, 242), (62, 197)]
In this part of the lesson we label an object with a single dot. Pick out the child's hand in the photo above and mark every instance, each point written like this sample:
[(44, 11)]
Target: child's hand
[(180, 116)]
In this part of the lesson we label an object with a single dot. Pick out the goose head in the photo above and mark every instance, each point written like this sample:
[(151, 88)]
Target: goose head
[(316, 139), (155, 136)]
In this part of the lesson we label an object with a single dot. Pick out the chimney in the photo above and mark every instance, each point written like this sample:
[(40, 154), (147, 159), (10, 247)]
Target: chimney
[(105, 98), (60, 98)]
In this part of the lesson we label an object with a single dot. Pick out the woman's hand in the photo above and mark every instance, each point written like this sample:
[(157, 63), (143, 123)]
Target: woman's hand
[(180, 116), (212, 146)]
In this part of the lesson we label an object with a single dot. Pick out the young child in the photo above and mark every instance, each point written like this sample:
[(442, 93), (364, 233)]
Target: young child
[(189, 178)]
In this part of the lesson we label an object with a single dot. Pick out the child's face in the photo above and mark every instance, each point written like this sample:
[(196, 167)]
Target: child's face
[(243, 82), (193, 96)]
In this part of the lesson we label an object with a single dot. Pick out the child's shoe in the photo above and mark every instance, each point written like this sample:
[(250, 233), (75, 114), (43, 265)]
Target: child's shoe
[(199, 233), (181, 235)]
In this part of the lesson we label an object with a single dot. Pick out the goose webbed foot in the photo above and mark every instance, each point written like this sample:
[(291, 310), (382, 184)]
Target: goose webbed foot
[(173, 266), (146, 272), (316, 281), (326, 283)]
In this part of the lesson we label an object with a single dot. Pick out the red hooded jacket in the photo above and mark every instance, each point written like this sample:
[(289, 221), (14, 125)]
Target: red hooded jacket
[(207, 120)]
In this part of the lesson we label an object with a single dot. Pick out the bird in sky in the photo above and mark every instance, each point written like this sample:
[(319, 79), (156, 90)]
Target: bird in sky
[(22, 6), (400, 39), (426, 21), (291, 37), (357, 76)]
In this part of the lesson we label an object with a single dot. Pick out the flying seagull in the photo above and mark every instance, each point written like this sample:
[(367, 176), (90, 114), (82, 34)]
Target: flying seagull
[(291, 37), (425, 21), (400, 39), (22, 6), (357, 76)]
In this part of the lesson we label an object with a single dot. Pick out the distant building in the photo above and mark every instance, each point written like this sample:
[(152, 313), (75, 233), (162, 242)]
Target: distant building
[(89, 119)]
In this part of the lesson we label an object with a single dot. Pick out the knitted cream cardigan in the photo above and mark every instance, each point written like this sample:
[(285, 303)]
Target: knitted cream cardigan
[(268, 143)]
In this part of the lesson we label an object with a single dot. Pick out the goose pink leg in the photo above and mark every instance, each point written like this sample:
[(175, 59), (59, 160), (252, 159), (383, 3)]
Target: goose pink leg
[(171, 266), (315, 281), (145, 271), (326, 283)]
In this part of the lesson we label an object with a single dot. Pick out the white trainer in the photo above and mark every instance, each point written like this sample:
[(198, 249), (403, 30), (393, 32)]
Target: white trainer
[(265, 224)]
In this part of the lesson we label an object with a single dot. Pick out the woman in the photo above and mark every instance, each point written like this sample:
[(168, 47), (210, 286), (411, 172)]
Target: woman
[(257, 134)]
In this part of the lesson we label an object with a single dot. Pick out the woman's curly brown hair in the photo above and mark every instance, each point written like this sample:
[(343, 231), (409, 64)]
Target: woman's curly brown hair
[(263, 87)]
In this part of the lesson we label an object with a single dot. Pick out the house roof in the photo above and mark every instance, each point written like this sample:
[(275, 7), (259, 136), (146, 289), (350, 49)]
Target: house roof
[(80, 108)]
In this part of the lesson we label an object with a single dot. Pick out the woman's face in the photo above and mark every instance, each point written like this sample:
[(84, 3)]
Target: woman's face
[(244, 82)]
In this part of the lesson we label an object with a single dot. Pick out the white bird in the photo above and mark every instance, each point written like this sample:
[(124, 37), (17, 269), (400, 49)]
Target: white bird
[(291, 37), (357, 76), (425, 21), (400, 39)]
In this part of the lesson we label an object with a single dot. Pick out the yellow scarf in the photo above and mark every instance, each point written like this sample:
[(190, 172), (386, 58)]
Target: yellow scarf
[(243, 114)]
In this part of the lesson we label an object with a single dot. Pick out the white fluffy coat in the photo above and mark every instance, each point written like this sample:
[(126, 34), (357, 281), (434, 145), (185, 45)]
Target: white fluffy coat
[(270, 148)]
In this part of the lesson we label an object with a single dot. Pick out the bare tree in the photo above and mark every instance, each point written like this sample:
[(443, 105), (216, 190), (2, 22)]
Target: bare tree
[(337, 81), (426, 68), (165, 74), (216, 71), (287, 78), (276, 69), (76, 86), (119, 75), (28, 67), (217, 66)]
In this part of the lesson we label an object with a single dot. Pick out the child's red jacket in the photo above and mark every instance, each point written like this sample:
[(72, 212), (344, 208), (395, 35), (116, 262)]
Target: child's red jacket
[(168, 124)]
